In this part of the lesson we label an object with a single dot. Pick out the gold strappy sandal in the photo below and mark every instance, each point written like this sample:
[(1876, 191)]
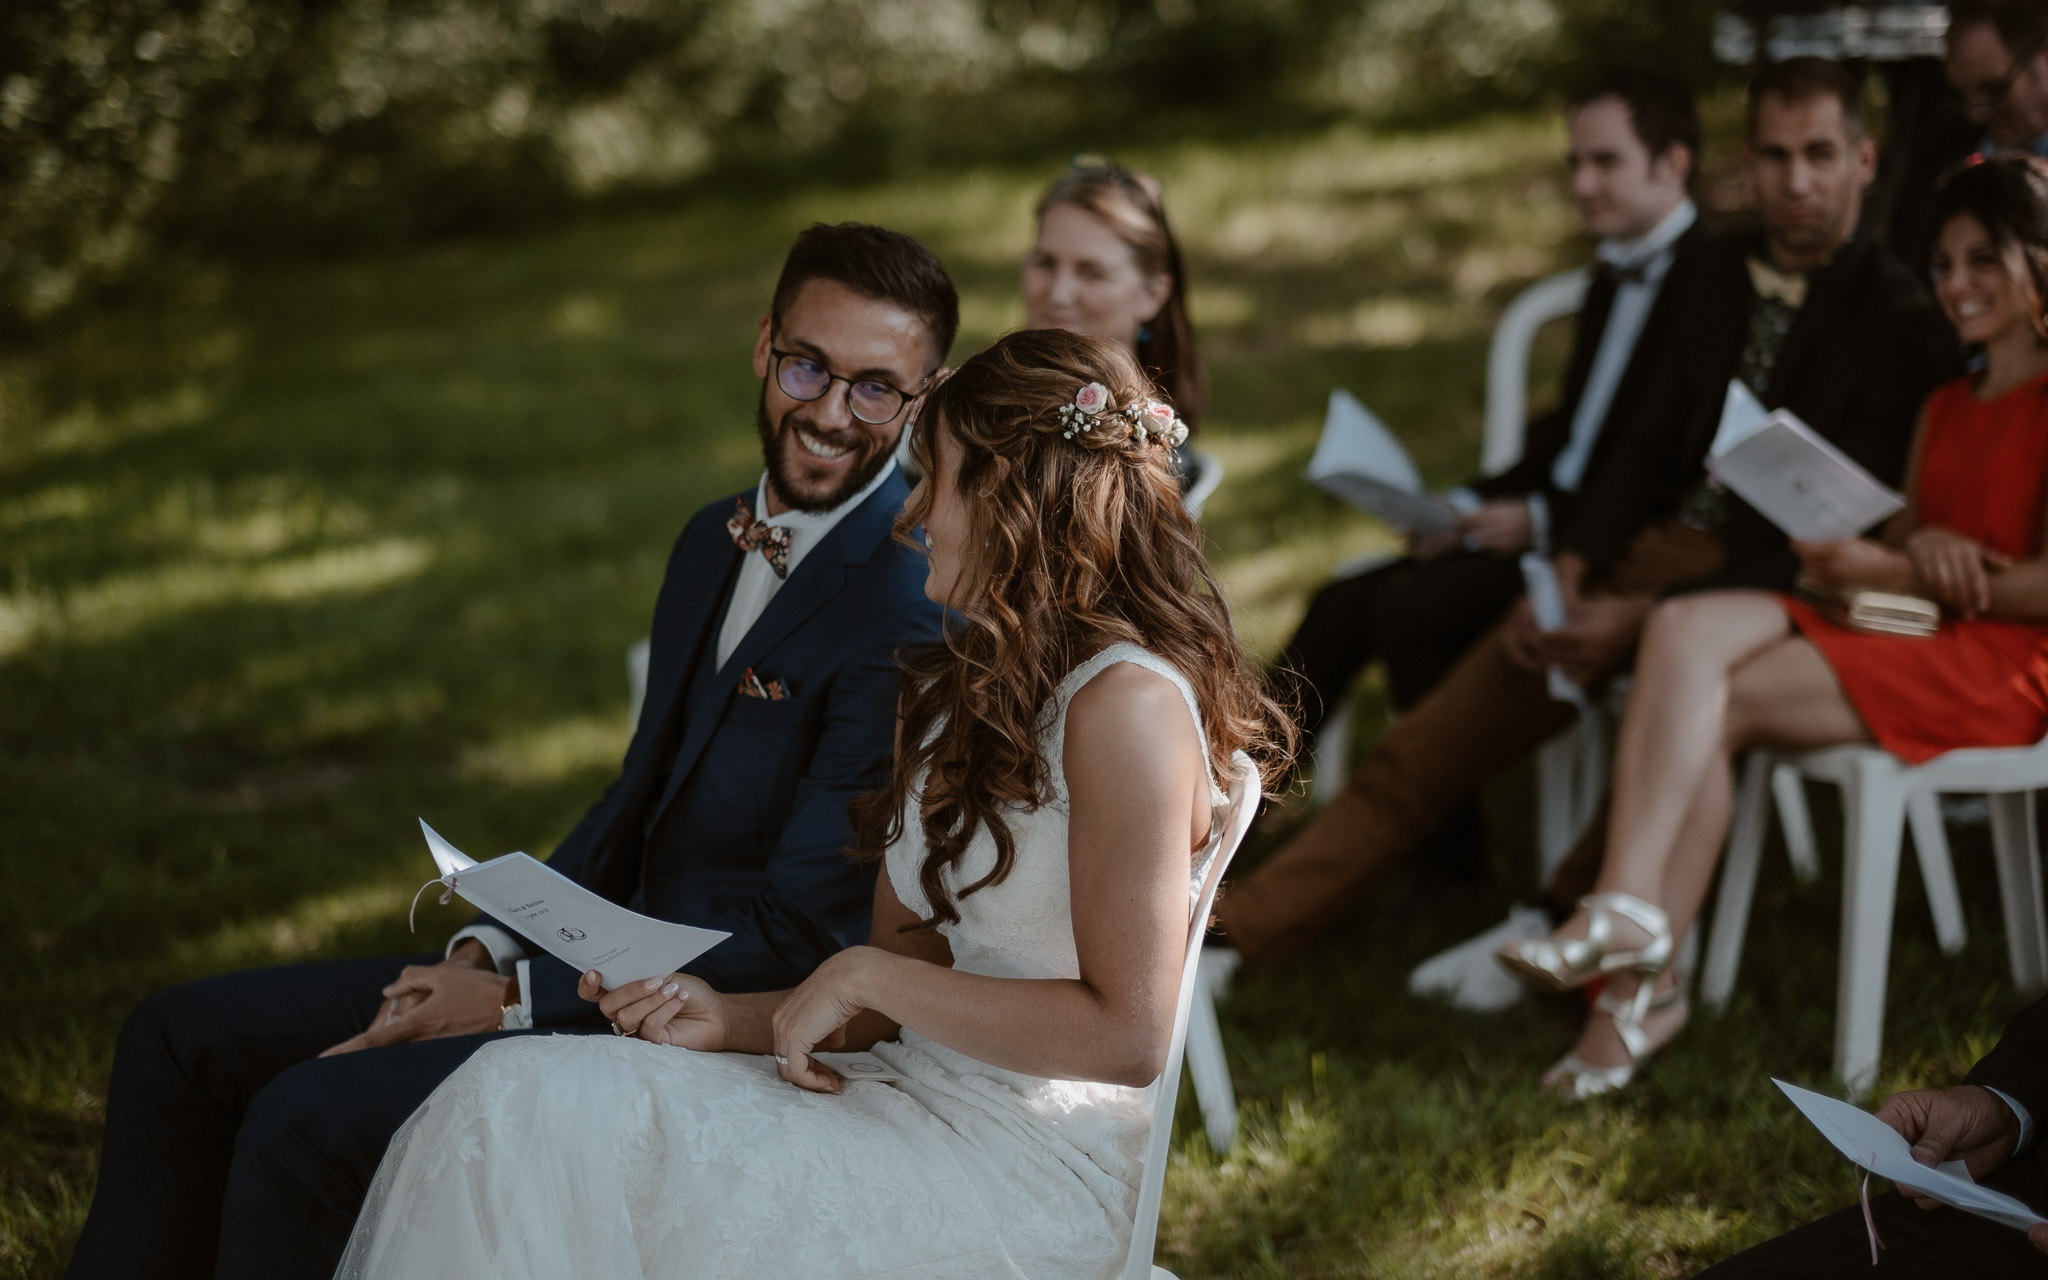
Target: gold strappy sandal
[(1563, 964), (1581, 1079)]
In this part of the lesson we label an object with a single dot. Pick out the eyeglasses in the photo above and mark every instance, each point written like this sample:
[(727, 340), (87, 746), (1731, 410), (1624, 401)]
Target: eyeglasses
[(1989, 95), (872, 401)]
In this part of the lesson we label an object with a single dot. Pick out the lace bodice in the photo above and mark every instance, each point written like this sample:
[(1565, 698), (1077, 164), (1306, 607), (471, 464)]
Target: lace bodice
[(1024, 926)]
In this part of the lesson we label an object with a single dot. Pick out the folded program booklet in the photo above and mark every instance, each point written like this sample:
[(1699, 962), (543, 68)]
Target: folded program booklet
[(1360, 461), (1876, 1147), (577, 926), (1800, 482)]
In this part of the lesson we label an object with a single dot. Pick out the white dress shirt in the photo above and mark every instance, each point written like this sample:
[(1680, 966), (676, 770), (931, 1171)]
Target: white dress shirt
[(756, 586), (757, 583), (1652, 255)]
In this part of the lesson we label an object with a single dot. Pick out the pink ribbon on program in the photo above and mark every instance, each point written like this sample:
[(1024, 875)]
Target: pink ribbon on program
[(1869, 1222), (446, 893)]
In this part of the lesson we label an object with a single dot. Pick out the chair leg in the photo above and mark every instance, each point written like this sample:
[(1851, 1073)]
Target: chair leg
[(1738, 882), (1874, 801), (2015, 848), (1558, 764), (1937, 869), (1206, 1063), (1796, 821), (1333, 754)]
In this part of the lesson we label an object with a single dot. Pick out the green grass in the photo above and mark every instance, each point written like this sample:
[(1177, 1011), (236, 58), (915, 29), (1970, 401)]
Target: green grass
[(290, 555)]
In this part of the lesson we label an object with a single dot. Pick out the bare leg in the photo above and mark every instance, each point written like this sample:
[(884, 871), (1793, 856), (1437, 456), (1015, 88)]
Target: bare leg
[(1783, 695)]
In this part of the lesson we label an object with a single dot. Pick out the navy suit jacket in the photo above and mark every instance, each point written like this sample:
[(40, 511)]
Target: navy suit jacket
[(753, 829)]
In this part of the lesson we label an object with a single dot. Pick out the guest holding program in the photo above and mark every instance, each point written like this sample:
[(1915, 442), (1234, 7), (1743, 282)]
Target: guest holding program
[(1721, 671), (1811, 317), (1635, 143)]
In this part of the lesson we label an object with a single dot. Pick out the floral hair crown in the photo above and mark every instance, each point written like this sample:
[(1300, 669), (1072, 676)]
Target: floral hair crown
[(1148, 418)]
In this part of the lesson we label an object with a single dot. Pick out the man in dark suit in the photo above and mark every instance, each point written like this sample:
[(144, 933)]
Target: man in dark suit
[(1809, 317), (1635, 139), (1988, 1123), (248, 1112)]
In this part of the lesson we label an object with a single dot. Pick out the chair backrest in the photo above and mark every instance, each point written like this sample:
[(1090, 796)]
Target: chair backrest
[(1208, 474), (1244, 804), (1507, 362)]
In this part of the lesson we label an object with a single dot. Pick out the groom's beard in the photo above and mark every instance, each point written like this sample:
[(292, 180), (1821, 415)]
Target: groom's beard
[(793, 481)]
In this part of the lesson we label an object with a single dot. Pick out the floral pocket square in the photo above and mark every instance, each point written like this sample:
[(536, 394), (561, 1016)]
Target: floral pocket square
[(752, 686)]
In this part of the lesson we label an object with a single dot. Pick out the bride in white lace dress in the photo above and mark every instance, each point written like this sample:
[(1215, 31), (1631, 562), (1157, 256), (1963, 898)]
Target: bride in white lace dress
[(1044, 839)]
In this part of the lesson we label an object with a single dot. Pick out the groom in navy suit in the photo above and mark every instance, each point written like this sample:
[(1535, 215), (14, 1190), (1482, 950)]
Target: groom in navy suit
[(248, 1112)]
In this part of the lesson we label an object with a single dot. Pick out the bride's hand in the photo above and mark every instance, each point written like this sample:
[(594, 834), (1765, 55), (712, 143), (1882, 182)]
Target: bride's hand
[(677, 1010), (815, 1016)]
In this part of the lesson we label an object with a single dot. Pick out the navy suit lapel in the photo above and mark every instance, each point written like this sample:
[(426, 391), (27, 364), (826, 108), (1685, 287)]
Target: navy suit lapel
[(692, 602), (817, 579)]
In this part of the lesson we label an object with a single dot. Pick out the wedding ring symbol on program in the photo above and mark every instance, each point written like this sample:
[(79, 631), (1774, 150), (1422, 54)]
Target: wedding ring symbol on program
[(571, 935)]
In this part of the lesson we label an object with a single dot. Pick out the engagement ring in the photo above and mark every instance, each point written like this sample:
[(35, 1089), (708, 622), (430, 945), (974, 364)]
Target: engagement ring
[(782, 1060)]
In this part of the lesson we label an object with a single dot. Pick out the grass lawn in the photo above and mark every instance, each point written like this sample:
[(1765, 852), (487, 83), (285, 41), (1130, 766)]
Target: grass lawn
[(314, 549)]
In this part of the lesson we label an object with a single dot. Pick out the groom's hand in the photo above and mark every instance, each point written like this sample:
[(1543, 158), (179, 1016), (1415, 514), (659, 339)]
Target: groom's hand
[(452, 998)]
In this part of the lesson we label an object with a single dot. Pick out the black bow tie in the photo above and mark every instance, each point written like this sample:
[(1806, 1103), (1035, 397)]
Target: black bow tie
[(1634, 273)]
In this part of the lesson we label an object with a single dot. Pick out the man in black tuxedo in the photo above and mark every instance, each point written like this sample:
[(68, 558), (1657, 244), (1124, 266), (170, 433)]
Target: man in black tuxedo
[(1635, 140), (1810, 317), (1988, 1123), (248, 1112)]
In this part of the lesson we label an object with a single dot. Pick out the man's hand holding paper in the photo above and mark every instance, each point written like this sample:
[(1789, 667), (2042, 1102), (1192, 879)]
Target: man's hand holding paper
[(1967, 1123)]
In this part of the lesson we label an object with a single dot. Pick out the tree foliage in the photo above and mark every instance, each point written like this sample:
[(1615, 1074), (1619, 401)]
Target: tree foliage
[(306, 123)]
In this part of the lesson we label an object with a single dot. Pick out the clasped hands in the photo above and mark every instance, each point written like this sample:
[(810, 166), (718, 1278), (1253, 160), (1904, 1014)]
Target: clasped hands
[(686, 1012), (1967, 1123), (463, 995), (1600, 629), (1940, 564)]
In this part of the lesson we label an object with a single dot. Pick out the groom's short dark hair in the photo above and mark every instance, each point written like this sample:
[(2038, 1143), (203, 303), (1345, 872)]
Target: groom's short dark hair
[(887, 266)]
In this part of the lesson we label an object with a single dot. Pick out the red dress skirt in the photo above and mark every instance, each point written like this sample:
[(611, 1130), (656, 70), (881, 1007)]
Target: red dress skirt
[(1976, 682)]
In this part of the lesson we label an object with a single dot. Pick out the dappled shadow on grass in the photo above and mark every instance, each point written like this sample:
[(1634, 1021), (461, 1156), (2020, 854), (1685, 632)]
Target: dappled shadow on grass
[(1390, 1136), (292, 554)]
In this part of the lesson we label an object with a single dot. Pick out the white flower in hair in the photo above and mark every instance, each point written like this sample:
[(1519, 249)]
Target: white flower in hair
[(1089, 402), (1166, 424)]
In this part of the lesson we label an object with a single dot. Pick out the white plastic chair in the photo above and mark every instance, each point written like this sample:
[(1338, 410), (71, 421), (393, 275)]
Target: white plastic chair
[(1244, 802), (1881, 794), (1562, 772), (1208, 474)]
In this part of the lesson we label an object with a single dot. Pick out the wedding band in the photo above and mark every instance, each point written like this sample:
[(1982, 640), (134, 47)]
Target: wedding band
[(618, 1030)]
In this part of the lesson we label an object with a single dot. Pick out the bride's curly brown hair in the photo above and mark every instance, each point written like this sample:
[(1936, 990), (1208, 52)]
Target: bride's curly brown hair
[(1079, 543)]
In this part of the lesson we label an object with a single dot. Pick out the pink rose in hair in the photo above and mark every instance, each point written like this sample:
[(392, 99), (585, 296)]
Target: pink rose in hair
[(1092, 399)]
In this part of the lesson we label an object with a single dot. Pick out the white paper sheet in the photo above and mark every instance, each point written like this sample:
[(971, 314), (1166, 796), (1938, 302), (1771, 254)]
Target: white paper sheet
[(1546, 604), (1871, 1144), (1801, 483), (579, 927), (1742, 415), (1359, 460), (859, 1066)]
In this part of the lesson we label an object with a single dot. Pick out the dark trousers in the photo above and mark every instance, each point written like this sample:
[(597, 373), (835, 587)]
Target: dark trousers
[(231, 1148), (1944, 1243), (1419, 617)]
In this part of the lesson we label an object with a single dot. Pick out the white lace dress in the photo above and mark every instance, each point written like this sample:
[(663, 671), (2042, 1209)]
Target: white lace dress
[(554, 1156)]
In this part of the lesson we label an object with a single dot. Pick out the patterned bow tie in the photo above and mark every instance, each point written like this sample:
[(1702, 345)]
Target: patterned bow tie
[(749, 534), (1787, 287)]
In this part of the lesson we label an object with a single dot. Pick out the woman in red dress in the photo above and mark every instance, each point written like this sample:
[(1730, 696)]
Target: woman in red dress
[(1722, 671)]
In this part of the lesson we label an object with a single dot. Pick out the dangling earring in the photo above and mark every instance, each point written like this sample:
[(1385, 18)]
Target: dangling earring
[(1144, 334)]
